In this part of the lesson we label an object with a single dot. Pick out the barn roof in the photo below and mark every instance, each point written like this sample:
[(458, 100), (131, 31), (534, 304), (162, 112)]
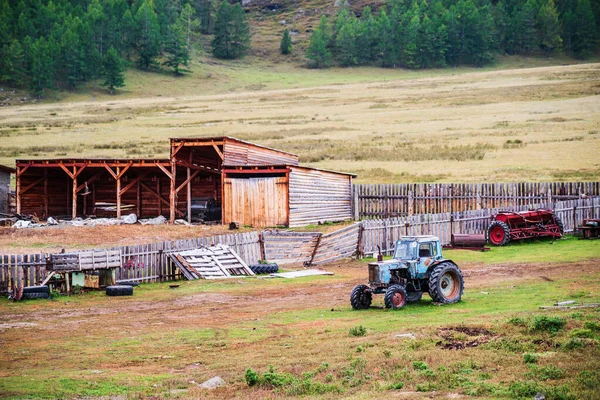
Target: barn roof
[(228, 138), (4, 168)]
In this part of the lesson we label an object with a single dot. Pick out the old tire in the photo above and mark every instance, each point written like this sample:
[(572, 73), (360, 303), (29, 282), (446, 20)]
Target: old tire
[(35, 295), (559, 223), (361, 297), (36, 289), (413, 297), (395, 297), (498, 234), (134, 284), (264, 268), (446, 283), (119, 290)]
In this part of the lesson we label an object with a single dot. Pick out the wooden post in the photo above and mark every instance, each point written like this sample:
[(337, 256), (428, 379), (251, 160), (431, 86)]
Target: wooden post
[(172, 193), (158, 191), (18, 177), (118, 192), (46, 207), (139, 199), (74, 205), (189, 196), (410, 202)]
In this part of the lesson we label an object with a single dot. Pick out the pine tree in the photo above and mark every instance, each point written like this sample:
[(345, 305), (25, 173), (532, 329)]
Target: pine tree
[(366, 37), (188, 21), (584, 38), (240, 34), (317, 50), (345, 43), (42, 66), (112, 70), (148, 34), (385, 33), (13, 64), (286, 43), (73, 54), (549, 27), (526, 21), (175, 48)]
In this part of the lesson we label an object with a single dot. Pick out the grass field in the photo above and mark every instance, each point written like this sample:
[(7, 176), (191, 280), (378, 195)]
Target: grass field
[(300, 337), (494, 124)]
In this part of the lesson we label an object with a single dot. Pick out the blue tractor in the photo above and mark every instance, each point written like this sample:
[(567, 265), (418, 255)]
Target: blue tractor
[(417, 267)]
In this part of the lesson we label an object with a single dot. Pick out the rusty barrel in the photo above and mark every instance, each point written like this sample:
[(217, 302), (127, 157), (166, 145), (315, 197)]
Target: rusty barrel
[(466, 240)]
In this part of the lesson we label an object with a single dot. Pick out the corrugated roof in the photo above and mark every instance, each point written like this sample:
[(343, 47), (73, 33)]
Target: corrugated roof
[(217, 138), (287, 166)]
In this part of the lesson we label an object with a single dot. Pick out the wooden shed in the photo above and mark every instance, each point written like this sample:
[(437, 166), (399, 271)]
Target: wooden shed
[(5, 173), (248, 183)]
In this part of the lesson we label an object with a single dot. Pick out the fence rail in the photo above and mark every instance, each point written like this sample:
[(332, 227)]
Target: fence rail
[(400, 200), (149, 263)]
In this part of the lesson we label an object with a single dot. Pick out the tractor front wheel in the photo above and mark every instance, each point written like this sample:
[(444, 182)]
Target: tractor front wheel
[(395, 297), (361, 297), (413, 297), (498, 233), (446, 283)]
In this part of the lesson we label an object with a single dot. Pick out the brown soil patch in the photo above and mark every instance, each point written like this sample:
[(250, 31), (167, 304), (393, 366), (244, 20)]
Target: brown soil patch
[(476, 337)]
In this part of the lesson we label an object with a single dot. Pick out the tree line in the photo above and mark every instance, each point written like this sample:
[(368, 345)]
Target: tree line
[(438, 33), (64, 43)]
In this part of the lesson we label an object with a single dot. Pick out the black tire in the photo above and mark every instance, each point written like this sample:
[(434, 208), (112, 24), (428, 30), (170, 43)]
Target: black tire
[(361, 297), (134, 284), (559, 223), (395, 297), (36, 289), (498, 234), (446, 283), (264, 268), (413, 297), (119, 290), (35, 295)]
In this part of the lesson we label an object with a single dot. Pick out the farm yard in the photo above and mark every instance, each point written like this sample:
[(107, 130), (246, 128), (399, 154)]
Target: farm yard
[(471, 125), (301, 337)]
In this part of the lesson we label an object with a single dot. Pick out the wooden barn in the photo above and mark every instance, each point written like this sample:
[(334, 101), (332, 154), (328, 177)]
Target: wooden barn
[(5, 173), (207, 179)]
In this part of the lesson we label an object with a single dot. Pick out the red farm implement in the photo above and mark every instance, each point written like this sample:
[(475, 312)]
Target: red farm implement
[(507, 226)]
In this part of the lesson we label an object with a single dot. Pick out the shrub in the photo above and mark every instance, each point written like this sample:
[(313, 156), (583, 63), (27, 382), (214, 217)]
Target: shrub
[(581, 333), (548, 324), (358, 331), (396, 386), (251, 377), (573, 343), (593, 326), (545, 373), (517, 321), (589, 379), (530, 358), (420, 365)]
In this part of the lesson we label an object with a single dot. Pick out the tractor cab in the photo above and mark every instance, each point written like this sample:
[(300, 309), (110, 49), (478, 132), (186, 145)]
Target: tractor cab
[(419, 252)]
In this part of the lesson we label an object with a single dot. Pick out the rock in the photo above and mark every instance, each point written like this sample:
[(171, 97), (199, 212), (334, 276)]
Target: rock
[(341, 3), (212, 383), (182, 222), (540, 396), (246, 2), (283, 22), (405, 336), (153, 221), (51, 221), (294, 32), (129, 219), (22, 224)]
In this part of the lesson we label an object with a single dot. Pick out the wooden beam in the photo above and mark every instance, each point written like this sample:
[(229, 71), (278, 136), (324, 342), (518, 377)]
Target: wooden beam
[(256, 171), (92, 179), (189, 194), (74, 177), (35, 183), (109, 169), (218, 150), (200, 167), (172, 193), (118, 192), (133, 182), (188, 180), (79, 171), (202, 144), (119, 176), (46, 199), (60, 164), (158, 196), (18, 189), (163, 169), (174, 152)]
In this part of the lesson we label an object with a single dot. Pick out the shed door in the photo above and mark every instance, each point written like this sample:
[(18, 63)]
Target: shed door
[(258, 202)]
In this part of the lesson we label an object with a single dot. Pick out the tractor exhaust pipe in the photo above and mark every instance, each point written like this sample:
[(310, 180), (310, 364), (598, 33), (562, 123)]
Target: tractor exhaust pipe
[(379, 255)]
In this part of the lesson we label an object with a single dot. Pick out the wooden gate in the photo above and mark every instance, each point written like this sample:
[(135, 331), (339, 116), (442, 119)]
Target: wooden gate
[(258, 202)]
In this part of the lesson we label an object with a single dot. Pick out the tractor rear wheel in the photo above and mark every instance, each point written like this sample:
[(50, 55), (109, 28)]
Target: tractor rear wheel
[(498, 234), (413, 297), (395, 297), (559, 223), (361, 297), (446, 283)]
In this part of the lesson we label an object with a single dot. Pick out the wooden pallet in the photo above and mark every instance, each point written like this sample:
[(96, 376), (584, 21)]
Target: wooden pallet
[(87, 260), (215, 262)]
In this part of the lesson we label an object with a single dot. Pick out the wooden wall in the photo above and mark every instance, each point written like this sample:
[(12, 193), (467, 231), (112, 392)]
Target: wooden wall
[(319, 196), (256, 201), (241, 153)]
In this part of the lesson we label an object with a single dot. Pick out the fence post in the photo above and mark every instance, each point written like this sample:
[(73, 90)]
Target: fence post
[(261, 245), (574, 217), (410, 202), (356, 201)]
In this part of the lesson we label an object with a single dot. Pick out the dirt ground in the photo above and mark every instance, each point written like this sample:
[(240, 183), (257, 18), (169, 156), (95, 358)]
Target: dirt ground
[(202, 328)]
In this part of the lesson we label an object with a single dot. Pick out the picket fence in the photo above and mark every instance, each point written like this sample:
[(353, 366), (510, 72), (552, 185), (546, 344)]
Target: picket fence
[(148, 262), (385, 232), (400, 200)]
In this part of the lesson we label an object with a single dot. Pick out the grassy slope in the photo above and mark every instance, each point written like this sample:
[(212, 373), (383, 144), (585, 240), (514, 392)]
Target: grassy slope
[(310, 343)]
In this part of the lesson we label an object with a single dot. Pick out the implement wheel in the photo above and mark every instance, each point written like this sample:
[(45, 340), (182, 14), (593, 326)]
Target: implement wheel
[(413, 297), (395, 297), (559, 223), (446, 283), (361, 297), (498, 234)]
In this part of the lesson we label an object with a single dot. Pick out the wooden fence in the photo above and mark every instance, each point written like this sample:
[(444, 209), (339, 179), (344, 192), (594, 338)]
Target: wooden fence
[(386, 232), (400, 200), (285, 247), (342, 243)]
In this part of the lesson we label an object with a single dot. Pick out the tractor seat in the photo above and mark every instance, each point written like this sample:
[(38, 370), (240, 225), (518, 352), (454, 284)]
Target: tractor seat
[(424, 253)]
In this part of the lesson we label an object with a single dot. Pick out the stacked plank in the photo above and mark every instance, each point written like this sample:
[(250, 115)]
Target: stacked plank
[(88, 260), (215, 262)]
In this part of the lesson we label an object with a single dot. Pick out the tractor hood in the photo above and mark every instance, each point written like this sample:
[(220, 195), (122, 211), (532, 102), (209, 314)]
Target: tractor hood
[(389, 264)]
